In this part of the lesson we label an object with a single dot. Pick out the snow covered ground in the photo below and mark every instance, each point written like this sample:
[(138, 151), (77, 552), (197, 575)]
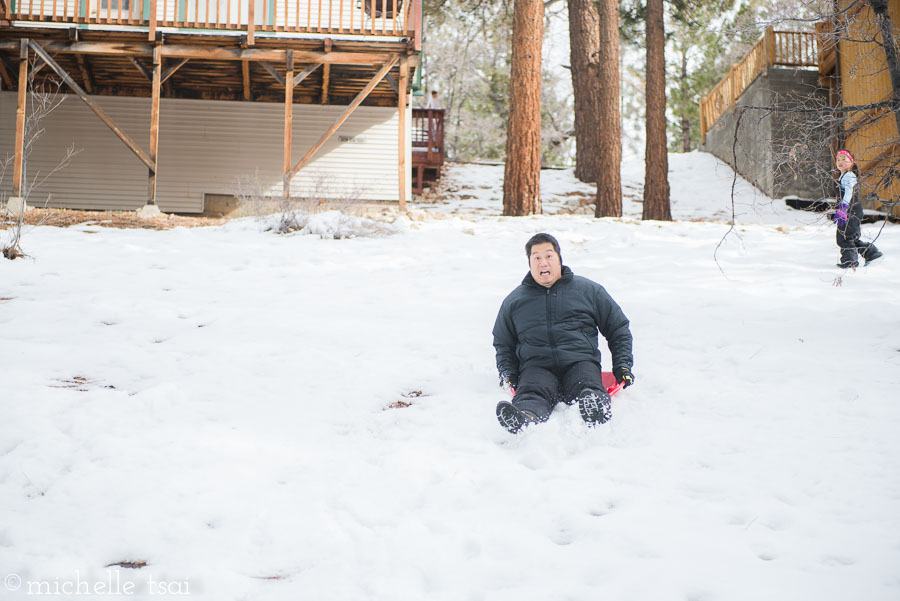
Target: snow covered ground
[(700, 190), (216, 402)]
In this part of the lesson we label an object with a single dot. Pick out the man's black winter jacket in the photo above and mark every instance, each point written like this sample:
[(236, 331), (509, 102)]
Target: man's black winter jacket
[(556, 327)]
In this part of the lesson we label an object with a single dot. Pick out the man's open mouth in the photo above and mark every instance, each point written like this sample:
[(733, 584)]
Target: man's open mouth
[(545, 272)]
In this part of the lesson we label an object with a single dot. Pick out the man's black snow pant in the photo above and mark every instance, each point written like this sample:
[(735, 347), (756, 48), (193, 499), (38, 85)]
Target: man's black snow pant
[(848, 239), (541, 389)]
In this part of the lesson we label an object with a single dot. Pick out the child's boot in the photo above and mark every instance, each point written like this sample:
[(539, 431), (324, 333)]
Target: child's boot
[(872, 254)]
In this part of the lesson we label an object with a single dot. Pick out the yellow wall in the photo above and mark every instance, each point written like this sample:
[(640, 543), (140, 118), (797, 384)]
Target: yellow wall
[(865, 80)]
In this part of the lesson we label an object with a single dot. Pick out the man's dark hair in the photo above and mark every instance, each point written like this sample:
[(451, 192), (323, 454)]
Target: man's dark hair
[(542, 239)]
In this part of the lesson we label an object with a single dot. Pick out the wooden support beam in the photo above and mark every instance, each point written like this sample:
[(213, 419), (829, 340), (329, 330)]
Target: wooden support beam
[(97, 110), (288, 123), (38, 65), (85, 74), (326, 78), (278, 76), (245, 71), (19, 160), (393, 82), (141, 68), (209, 52), (171, 70), (305, 73), (7, 78), (154, 126), (349, 111), (402, 138)]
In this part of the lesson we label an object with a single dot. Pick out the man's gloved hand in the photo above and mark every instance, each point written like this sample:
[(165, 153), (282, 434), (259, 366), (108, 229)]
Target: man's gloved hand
[(508, 382), (840, 216), (623, 374)]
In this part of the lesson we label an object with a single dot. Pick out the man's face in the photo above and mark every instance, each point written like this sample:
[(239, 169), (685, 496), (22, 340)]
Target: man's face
[(546, 267)]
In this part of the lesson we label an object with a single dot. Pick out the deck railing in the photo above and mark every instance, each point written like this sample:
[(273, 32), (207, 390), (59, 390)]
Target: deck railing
[(428, 136), (359, 17), (787, 48)]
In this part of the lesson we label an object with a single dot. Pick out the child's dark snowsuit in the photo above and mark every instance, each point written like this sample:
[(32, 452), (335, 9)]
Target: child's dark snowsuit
[(848, 231)]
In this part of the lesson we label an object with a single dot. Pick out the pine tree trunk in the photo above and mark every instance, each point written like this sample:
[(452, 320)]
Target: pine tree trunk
[(609, 156), (685, 120), (656, 177), (522, 175), (584, 28)]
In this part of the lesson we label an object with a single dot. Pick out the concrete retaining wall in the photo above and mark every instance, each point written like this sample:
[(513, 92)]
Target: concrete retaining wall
[(766, 138)]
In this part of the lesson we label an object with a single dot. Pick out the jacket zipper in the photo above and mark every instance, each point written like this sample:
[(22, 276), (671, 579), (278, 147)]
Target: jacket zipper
[(550, 333)]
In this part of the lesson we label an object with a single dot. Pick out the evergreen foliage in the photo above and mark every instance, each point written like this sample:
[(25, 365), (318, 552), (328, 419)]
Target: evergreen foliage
[(467, 59)]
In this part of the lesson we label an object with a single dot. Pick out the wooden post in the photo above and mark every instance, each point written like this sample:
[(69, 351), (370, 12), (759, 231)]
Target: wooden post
[(251, 21), (151, 36), (734, 87), (154, 124), (417, 23), (326, 71), (703, 120), (326, 77), (245, 72), (19, 164), (401, 138), (770, 46), (288, 122)]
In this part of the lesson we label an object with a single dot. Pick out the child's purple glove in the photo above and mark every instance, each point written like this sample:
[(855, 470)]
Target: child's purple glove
[(840, 216)]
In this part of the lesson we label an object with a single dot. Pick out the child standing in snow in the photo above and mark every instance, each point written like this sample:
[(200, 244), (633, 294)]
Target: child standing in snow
[(849, 214)]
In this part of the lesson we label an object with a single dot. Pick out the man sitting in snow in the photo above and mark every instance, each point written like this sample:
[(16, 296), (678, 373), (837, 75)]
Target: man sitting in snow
[(546, 341)]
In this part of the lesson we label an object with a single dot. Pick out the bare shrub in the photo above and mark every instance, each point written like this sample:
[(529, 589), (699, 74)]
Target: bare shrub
[(44, 97), (324, 209)]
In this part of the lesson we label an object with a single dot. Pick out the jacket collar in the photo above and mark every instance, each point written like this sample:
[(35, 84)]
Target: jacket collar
[(567, 275)]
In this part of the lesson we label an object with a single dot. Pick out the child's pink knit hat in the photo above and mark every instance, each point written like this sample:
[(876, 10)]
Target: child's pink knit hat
[(847, 152)]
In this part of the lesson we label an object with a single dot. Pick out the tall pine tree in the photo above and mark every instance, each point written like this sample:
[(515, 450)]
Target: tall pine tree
[(522, 174), (584, 28), (656, 176), (609, 156)]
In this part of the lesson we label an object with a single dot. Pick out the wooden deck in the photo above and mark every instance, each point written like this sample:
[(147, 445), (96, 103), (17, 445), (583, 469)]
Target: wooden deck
[(427, 146), (340, 52), (219, 49), (781, 48), (212, 67), (349, 17)]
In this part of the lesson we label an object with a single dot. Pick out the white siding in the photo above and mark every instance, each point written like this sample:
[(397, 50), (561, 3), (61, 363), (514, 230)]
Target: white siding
[(206, 147)]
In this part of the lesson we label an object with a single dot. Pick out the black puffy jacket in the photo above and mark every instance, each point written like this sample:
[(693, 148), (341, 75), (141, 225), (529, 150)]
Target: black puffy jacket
[(557, 327)]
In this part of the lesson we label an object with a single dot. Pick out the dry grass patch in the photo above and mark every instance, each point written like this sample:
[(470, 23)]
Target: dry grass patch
[(114, 219)]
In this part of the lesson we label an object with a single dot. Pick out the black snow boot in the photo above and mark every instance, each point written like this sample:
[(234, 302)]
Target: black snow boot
[(595, 406), (872, 254), (512, 418)]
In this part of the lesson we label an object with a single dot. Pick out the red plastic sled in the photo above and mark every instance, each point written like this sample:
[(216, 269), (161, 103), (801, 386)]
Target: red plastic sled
[(609, 381)]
